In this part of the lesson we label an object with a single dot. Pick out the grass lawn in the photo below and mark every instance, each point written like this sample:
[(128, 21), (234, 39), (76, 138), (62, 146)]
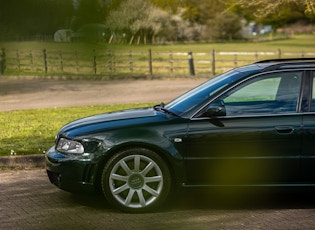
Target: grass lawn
[(33, 131), (298, 43)]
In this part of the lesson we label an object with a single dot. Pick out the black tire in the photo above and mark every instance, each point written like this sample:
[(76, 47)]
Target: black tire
[(136, 180)]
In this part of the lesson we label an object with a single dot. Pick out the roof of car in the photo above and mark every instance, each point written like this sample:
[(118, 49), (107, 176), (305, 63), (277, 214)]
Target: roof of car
[(286, 60), (288, 63)]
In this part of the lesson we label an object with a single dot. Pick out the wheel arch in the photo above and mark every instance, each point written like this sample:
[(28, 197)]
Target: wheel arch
[(172, 158)]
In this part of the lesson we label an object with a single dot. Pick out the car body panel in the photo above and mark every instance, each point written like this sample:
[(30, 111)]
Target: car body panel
[(308, 149), (244, 150)]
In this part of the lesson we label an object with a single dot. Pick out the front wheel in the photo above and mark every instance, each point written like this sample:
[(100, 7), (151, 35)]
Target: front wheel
[(136, 180)]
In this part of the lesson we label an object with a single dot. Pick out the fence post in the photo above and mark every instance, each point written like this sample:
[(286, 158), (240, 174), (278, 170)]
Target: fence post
[(77, 61), (150, 62), (235, 60), (279, 53), (18, 60), (31, 60), (61, 60), (130, 62), (2, 61), (111, 62), (108, 56), (213, 62), (45, 60), (94, 62), (171, 64), (191, 64)]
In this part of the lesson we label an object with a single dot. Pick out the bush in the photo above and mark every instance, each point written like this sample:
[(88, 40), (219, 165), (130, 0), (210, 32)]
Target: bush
[(223, 27)]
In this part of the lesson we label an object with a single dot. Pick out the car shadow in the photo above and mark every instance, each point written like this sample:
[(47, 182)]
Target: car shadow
[(236, 199), (93, 200), (243, 199)]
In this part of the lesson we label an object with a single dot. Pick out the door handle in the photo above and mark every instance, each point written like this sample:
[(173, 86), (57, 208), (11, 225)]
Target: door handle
[(284, 129)]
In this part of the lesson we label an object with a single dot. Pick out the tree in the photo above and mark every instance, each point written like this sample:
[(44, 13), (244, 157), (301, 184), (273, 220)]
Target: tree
[(88, 12), (202, 10), (172, 6), (137, 18), (224, 27), (279, 13), (29, 17), (263, 8)]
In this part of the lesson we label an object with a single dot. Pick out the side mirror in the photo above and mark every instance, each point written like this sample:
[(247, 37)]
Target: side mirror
[(216, 109)]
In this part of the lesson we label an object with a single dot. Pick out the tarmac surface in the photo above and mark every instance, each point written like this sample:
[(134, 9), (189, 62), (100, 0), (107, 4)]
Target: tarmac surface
[(30, 93), (29, 201)]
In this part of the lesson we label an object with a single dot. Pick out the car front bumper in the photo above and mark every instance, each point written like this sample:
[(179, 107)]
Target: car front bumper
[(69, 172)]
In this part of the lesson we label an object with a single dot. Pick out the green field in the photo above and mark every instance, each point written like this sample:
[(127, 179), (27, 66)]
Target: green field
[(32, 131), (298, 43)]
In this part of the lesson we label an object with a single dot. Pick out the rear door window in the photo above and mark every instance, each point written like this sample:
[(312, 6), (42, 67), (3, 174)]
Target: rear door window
[(313, 94)]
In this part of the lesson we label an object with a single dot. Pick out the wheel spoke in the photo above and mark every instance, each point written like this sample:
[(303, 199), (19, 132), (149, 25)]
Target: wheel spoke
[(153, 179), (129, 197), (141, 198), (120, 189), (119, 177), (147, 168), (125, 167), (137, 163), (151, 191)]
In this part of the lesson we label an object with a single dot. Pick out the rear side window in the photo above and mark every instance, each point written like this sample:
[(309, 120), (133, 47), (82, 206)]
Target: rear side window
[(313, 94)]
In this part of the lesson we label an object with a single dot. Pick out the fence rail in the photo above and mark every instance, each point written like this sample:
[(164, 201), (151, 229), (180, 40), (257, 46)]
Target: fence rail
[(134, 64)]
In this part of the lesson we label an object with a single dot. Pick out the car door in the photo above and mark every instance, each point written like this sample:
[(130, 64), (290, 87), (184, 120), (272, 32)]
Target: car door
[(308, 146), (255, 137)]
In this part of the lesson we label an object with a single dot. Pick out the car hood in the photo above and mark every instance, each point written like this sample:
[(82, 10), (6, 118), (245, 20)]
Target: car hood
[(107, 120)]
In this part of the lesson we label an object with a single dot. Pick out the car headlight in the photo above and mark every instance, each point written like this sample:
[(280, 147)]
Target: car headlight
[(69, 146)]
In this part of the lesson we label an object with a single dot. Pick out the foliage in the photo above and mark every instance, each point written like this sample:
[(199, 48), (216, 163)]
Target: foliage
[(136, 17), (202, 10), (34, 16), (171, 20), (272, 11), (87, 12), (266, 7), (224, 27)]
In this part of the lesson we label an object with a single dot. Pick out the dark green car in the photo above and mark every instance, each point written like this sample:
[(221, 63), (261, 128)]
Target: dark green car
[(252, 126)]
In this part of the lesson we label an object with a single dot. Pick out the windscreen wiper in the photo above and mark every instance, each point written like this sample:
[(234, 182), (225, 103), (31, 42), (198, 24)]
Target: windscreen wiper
[(161, 108)]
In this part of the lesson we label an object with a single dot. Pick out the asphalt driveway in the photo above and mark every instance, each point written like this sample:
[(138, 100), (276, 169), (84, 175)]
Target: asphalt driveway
[(29, 201), (30, 93)]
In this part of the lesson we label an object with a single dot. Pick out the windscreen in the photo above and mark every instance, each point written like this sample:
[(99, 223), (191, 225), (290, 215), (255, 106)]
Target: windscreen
[(204, 92)]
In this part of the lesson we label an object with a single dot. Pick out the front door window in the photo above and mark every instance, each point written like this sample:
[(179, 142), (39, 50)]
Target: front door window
[(271, 94)]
